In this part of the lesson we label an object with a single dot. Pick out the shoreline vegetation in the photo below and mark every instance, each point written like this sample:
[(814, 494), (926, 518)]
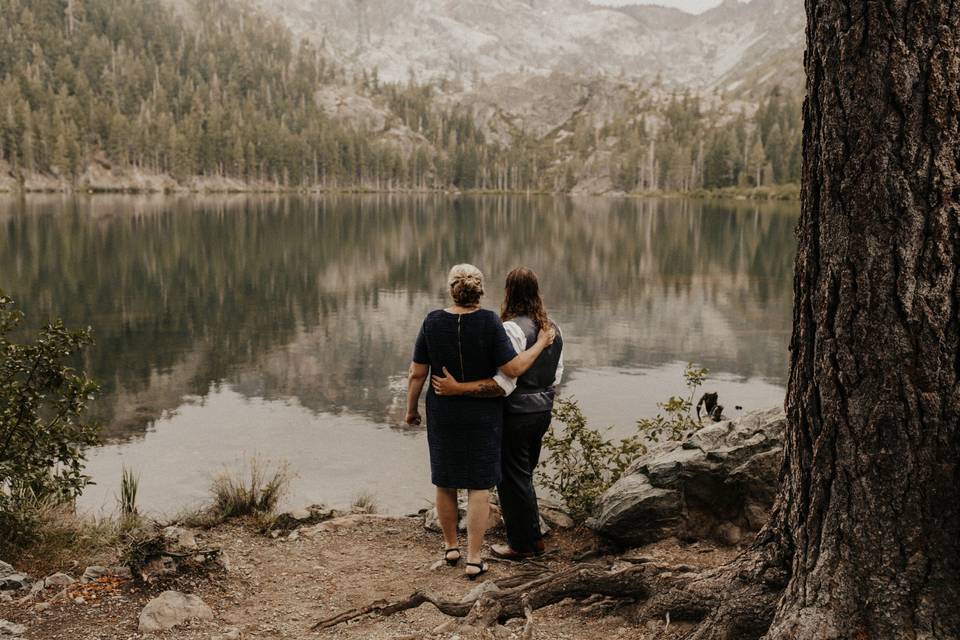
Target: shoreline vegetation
[(152, 184)]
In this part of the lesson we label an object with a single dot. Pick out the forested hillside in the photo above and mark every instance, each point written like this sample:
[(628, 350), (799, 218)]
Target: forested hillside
[(98, 94)]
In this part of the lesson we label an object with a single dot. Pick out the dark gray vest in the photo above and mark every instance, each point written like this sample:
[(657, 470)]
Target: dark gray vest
[(534, 392)]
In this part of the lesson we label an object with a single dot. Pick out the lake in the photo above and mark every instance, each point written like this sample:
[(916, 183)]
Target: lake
[(281, 327)]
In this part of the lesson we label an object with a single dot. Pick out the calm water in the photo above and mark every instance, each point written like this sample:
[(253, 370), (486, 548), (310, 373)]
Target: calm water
[(281, 327)]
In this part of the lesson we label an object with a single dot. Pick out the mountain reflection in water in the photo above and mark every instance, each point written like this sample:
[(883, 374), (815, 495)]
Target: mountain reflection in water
[(233, 325)]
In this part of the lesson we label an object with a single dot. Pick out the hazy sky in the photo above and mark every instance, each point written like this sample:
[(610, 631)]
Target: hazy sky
[(693, 6)]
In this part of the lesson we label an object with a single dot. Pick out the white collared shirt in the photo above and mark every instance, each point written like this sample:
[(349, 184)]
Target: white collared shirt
[(519, 342)]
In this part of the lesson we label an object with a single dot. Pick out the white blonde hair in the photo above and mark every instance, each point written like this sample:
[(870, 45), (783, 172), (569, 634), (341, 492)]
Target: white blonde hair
[(466, 284)]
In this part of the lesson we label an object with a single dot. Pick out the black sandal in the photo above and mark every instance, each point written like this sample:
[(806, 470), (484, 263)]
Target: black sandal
[(452, 561), (479, 565)]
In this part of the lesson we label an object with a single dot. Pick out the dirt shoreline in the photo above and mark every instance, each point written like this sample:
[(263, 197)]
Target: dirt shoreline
[(278, 588)]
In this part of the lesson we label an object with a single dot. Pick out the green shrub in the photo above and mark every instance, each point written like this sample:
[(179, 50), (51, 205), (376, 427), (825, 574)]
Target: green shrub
[(43, 432), (582, 463), (677, 421)]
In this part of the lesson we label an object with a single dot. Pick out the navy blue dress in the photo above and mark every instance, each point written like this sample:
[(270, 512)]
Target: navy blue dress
[(464, 433)]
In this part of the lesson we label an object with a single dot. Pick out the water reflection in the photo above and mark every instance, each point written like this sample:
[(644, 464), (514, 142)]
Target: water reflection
[(318, 299)]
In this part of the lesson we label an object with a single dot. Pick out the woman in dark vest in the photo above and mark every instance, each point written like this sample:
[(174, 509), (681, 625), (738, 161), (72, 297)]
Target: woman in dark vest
[(464, 433), (528, 411)]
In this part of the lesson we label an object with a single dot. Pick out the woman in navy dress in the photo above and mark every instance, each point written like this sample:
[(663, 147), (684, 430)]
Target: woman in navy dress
[(464, 432)]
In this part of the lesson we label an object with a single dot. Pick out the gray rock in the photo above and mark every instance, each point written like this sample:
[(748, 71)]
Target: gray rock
[(11, 629), (553, 514), (171, 609), (11, 579), (230, 633), (15, 582), (180, 538), (58, 580), (94, 572), (121, 571), (314, 514), (718, 484)]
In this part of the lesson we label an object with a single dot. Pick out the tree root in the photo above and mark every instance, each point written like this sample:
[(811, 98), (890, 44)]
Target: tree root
[(734, 602), (639, 581)]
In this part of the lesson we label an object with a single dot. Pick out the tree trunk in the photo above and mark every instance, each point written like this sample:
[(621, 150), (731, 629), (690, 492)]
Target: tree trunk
[(869, 504)]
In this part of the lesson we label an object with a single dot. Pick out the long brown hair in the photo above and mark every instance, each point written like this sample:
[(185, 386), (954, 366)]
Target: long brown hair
[(522, 298)]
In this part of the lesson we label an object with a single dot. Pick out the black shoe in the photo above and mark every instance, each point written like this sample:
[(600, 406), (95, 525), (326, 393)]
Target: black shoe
[(452, 561), (479, 565)]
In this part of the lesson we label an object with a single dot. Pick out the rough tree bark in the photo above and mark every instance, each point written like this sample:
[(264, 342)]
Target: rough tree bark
[(869, 504)]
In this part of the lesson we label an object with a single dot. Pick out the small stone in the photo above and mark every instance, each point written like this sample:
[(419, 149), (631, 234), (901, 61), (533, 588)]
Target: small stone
[(121, 571), (6, 569), (79, 600), (11, 629), (58, 580), (230, 633), (40, 607), (171, 609)]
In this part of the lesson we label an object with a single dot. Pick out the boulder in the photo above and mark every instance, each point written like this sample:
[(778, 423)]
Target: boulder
[(171, 609), (718, 484)]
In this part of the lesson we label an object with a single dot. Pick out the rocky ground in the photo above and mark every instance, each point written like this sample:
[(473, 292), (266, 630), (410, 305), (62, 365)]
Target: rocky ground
[(277, 588)]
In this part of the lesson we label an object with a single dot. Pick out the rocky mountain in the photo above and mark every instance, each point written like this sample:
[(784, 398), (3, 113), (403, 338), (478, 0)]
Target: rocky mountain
[(465, 40)]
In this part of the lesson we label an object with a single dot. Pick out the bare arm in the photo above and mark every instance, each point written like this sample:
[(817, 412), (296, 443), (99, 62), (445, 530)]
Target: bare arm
[(416, 378), (447, 385), (519, 365)]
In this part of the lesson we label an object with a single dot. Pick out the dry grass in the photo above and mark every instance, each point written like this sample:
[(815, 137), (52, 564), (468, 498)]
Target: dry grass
[(255, 489), (63, 537), (365, 502)]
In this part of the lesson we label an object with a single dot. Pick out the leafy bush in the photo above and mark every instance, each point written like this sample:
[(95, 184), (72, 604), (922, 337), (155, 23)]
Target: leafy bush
[(678, 423), (582, 463), (43, 433)]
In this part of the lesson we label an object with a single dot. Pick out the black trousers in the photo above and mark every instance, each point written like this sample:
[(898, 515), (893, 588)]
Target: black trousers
[(522, 439)]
